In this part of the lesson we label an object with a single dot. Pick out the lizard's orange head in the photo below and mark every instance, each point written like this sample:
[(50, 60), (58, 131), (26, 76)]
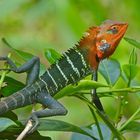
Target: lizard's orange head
[(109, 35), (101, 41)]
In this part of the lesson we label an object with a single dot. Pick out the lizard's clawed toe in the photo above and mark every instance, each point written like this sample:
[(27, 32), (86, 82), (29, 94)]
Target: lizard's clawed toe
[(35, 122)]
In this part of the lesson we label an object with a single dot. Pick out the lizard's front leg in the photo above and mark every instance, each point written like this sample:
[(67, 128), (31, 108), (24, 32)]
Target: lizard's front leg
[(95, 98), (31, 67)]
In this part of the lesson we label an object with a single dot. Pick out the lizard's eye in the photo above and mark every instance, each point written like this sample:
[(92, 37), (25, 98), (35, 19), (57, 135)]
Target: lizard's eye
[(113, 30)]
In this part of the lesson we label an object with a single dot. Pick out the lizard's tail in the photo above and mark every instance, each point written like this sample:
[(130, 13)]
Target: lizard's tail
[(16, 100)]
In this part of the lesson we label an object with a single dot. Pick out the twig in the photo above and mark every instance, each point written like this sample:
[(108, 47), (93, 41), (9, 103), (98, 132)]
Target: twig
[(28, 127), (4, 73), (105, 118), (97, 123), (129, 120)]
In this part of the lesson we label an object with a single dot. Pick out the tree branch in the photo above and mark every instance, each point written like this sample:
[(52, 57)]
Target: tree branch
[(28, 127)]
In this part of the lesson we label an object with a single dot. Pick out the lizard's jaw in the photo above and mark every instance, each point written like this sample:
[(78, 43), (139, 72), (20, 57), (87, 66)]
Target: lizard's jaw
[(121, 34)]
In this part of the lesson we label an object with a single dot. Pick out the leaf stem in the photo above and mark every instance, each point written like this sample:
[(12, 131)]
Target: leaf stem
[(97, 123), (104, 117), (4, 73), (129, 120), (118, 113), (119, 109), (130, 90)]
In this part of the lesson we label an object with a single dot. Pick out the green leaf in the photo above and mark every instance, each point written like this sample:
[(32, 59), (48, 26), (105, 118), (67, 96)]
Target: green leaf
[(11, 88), (94, 132), (130, 71), (56, 125), (11, 115), (5, 123), (133, 57), (78, 136), (104, 117), (133, 42), (10, 130), (104, 129), (110, 69), (24, 55), (11, 133), (52, 55), (82, 85), (132, 126)]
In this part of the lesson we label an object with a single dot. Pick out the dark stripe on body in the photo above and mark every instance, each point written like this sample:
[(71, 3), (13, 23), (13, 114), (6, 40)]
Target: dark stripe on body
[(19, 99), (68, 68)]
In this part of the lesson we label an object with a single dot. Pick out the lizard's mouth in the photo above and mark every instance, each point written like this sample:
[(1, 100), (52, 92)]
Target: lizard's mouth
[(121, 33)]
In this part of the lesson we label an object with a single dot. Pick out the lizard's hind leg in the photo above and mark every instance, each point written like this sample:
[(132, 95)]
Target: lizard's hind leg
[(54, 108), (31, 67)]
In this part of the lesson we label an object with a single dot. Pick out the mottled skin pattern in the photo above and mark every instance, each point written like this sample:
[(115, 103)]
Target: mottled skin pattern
[(97, 44)]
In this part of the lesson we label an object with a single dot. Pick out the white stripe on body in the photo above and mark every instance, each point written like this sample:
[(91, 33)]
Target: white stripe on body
[(15, 101), (45, 84), (62, 73), (52, 80), (73, 67), (82, 58), (38, 85), (28, 91), (7, 107)]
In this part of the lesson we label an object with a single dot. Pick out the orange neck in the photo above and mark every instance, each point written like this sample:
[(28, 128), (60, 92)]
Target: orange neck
[(88, 43)]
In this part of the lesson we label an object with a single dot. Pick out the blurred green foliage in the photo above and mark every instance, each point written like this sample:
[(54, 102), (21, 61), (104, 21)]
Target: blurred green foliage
[(34, 25)]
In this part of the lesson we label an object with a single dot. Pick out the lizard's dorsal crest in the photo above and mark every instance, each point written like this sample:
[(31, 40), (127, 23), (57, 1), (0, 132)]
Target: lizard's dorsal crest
[(88, 37)]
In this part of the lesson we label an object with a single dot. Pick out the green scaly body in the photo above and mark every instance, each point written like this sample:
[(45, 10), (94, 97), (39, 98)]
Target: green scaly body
[(71, 68)]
